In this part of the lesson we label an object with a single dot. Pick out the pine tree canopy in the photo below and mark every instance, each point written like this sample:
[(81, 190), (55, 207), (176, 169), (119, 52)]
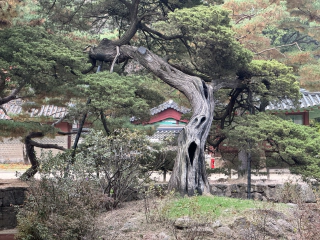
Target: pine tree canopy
[(37, 65), (296, 145)]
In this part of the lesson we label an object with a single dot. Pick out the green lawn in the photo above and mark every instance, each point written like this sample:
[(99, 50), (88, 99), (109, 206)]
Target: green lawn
[(215, 207), (13, 166)]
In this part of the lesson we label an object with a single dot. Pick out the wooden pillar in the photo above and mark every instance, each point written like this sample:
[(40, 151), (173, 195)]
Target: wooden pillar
[(306, 118), (69, 136)]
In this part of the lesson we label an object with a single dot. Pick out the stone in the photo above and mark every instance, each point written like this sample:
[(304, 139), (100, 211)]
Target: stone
[(272, 228), (130, 226), (184, 222), (241, 222), (202, 231), (216, 224), (292, 205), (160, 236), (307, 194), (9, 197), (286, 226), (163, 236), (224, 232), (216, 191), (7, 218), (261, 188), (257, 196), (234, 188)]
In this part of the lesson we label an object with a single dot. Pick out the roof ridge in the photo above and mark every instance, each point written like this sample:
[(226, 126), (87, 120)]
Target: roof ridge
[(169, 104)]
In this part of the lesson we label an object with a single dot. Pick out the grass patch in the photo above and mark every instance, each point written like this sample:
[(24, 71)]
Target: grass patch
[(13, 166), (215, 207)]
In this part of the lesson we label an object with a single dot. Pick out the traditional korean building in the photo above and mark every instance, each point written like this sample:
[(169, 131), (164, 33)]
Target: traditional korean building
[(12, 150), (167, 117), (307, 110)]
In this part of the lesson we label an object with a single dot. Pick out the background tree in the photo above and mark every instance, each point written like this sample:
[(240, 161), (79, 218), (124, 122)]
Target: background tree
[(282, 30), (37, 68), (296, 146), (119, 98), (271, 31)]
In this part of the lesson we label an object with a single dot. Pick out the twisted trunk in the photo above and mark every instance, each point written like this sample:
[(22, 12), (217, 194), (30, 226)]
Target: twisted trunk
[(189, 175), (31, 154), (189, 172)]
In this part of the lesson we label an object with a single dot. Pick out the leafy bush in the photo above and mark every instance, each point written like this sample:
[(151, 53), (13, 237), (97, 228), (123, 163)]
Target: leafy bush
[(60, 206), (64, 202), (117, 161)]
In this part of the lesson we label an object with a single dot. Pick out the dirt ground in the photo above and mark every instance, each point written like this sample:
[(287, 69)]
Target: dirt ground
[(129, 222), (5, 183)]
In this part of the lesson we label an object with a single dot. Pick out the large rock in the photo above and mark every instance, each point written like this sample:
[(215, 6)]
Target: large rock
[(224, 232), (184, 222), (307, 194)]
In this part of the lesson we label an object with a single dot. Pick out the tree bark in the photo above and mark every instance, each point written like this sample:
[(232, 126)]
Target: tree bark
[(31, 154), (189, 175), (243, 164)]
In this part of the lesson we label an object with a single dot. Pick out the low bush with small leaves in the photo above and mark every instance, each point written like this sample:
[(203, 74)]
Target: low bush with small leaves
[(60, 205), (71, 191)]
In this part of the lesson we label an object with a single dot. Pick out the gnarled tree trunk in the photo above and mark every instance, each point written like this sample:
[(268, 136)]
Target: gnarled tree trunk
[(31, 154), (189, 172), (189, 175)]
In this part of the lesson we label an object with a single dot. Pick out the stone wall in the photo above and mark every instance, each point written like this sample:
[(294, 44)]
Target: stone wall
[(263, 191), (11, 150), (8, 198)]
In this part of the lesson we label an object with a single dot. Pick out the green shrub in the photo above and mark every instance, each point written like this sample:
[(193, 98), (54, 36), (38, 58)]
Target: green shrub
[(60, 206)]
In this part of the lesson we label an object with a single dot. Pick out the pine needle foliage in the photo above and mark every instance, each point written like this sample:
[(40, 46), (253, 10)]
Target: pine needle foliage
[(295, 145)]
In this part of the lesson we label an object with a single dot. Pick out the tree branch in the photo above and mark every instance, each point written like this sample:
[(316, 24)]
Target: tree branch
[(275, 48), (12, 96), (144, 27), (47, 145)]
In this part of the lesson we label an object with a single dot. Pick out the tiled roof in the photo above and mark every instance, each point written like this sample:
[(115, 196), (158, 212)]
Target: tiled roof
[(14, 107), (164, 132), (308, 100), (167, 105), (160, 135)]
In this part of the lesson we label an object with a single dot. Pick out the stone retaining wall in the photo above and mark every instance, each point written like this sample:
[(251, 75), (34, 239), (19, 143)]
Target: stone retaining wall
[(264, 192), (11, 196), (8, 198)]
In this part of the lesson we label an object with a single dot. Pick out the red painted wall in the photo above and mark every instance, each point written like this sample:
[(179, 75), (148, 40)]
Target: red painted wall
[(168, 113), (65, 127)]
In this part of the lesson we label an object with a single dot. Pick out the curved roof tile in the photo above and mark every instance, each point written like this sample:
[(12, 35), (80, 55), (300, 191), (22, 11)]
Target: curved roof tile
[(308, 100), (169, 104), (46, 110)]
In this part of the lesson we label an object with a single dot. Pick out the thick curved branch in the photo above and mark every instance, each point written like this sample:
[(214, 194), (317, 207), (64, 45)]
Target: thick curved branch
[(190, 72), (170, 75), (66, 133), (215, 143), (46, 145), (30, 151), (227, 83), (228, 110), (12, 96), (134, 22), (275, 48), (144, 27)]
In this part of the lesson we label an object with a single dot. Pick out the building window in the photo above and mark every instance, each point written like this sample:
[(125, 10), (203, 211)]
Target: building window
[(297, 119)]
